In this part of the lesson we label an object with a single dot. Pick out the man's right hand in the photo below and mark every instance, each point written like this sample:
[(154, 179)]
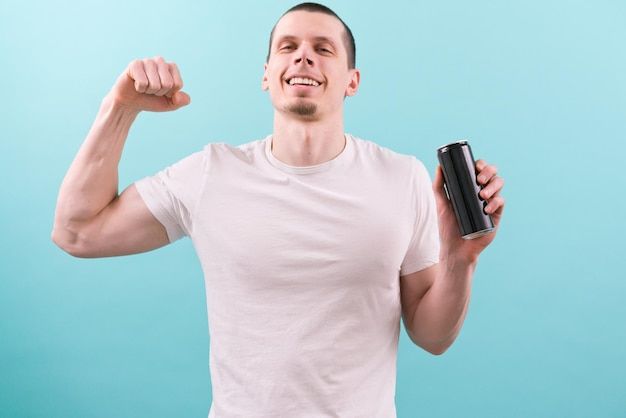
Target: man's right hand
[(150, 84)]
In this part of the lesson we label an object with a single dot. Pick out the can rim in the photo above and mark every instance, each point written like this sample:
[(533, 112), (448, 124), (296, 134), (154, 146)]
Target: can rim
[(459, 142)]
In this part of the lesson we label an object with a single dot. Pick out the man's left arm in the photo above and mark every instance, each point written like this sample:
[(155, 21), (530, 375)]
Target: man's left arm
[(435, 300)]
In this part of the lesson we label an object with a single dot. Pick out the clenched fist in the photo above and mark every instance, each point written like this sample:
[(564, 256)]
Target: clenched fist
[(150, 84)]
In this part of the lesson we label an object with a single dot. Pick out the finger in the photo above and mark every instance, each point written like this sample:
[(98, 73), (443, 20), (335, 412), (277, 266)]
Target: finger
[(438, 180), (480, 164), (486, 173), (178, 81), (167, 82), (137, 73), (496, 204), (495, 185), (154, 82)]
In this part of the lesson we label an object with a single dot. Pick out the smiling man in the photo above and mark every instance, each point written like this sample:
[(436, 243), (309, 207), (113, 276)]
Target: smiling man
[(314, 243), (309, 72)]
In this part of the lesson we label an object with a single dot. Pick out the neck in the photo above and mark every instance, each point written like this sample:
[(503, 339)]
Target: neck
[(299, 143)]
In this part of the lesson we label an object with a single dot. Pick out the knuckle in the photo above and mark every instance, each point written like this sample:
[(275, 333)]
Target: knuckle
[(176, 74)]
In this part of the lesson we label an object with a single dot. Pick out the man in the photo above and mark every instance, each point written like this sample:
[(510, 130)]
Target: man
[(313, 242)]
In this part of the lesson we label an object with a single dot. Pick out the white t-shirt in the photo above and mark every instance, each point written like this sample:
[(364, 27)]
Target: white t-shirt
[(301, 268)]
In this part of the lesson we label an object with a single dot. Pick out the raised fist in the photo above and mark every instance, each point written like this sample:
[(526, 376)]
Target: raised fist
[(150, 84)]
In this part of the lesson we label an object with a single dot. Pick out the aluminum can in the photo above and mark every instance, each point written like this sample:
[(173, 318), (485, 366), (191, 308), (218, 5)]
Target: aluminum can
[(462, 187)]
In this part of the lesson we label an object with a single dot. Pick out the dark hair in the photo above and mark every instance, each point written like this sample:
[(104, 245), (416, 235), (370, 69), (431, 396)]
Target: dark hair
[(348, 39)]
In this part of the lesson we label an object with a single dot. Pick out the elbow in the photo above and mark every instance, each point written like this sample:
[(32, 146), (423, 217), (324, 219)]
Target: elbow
[(67, 243), (437, 351), (434, 349)]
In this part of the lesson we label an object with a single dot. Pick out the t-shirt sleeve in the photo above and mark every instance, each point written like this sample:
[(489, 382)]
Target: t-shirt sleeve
[(423, 250), (172, 193)]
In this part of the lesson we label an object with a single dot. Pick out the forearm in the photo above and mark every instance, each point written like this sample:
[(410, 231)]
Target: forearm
[(439, 315), (91, 182)]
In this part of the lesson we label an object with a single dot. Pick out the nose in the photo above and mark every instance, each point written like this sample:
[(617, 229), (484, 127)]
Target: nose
[(308, 60), (303, 54)]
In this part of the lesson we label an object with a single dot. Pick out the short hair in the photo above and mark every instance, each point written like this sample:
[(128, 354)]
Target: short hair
[(348, 39)]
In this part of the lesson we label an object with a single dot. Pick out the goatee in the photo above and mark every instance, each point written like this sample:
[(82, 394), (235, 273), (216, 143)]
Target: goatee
[(303, 108)]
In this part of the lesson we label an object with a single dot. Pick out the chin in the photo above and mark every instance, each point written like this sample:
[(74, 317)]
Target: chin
[(302, 108)]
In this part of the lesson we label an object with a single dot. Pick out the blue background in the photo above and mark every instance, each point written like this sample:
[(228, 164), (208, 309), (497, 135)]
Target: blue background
[(539, 89)]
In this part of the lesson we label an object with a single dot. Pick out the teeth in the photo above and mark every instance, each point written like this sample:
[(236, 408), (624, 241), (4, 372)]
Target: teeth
[(300, 80)]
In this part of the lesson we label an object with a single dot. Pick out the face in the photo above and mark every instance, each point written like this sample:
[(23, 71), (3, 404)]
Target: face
[(307, 75)]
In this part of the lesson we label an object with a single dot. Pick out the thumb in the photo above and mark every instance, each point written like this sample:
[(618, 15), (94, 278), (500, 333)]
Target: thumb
[(438, 187), (180, 99)]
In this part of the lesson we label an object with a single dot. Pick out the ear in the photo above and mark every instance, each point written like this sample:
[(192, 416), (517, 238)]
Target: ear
[(355, 79), (265, 82)]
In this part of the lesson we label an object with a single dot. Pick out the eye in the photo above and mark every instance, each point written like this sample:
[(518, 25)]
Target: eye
[(286, 47), (325, 50)]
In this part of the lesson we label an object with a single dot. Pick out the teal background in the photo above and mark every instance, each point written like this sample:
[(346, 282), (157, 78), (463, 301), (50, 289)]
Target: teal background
[(539, 89)]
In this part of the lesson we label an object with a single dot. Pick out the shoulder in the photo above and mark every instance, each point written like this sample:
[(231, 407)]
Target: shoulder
[(390, 159), (216, 152)]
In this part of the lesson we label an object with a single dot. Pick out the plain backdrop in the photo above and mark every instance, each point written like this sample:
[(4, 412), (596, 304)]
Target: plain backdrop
[(537, 87)]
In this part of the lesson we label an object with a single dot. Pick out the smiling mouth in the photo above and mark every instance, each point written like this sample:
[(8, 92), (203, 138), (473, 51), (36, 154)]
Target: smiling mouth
[(301, 81)]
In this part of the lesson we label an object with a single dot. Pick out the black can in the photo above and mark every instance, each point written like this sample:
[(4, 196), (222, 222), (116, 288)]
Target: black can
[(462, 187)]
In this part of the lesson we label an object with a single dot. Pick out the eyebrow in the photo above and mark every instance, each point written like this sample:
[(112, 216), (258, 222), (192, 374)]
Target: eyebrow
[(316, 39)]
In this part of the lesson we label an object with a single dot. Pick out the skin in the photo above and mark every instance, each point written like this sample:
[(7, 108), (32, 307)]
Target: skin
[(302, 137), (150, 84), (435, 300), (91, 219)]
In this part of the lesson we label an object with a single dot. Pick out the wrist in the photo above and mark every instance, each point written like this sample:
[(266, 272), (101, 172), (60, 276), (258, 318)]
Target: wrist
[(112, 104), (456, 261)]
